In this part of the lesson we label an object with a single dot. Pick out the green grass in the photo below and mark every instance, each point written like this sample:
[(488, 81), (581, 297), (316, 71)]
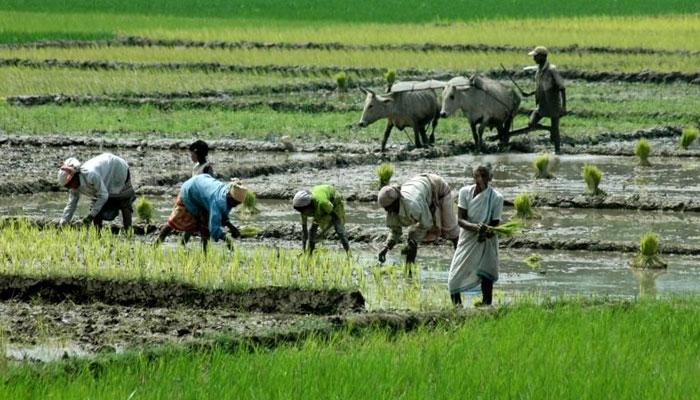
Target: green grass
[(564, 351), (390, 11), (667, 31), (27, 37), (391, 59), (259, 123)]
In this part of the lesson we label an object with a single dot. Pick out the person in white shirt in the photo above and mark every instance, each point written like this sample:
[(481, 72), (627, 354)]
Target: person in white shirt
[(107, 180)]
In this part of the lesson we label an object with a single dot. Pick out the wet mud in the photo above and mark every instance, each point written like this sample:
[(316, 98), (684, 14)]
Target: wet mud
[(88, 290), (139, 41), (328, 71)]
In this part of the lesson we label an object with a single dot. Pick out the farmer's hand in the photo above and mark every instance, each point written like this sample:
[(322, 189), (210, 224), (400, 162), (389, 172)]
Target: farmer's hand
[(229, 243), (382, 255), (88, 220)]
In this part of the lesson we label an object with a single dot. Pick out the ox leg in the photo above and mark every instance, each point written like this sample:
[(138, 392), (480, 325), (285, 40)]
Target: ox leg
[(480, 133), (424, 136), (475, 136), (387, 132), (432, 130), (416, 136)]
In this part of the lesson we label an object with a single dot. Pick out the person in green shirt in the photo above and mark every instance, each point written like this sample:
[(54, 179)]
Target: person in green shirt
[(325, 205)]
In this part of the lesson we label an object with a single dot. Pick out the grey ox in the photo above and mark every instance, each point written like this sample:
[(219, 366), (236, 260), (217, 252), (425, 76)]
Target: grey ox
[(485, 102), (409, 108)]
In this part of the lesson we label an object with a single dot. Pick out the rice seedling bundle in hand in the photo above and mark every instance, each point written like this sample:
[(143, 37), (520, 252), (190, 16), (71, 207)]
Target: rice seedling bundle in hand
[(385, 171), (592, 175), (541, 164), (688, 137), (510, 228), (523, 206), (642, 150), (144, 210), (648, 256)]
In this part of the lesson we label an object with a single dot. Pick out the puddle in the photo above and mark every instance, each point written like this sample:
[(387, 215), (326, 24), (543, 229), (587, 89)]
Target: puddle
[(44, 352)]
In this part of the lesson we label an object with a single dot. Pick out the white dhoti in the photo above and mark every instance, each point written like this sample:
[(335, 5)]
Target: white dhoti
[(474, 260)]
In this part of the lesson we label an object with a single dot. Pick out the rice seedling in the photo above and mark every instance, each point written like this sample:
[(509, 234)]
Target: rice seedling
[(250, 231), (389, 78), (642, 150), (508, 229), (144, 210), (648, 255), (688, 137), (541, 164), (534, 262), (341, 80), (384, 172), (249, 205), (523, 206), (592, 176)]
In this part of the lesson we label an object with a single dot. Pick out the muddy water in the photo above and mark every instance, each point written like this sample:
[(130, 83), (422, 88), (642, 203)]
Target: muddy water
[(670, 177)]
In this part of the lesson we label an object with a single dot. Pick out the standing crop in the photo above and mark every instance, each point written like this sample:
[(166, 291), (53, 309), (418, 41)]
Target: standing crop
[(642, 150), (144, 210), (385, 171), (648, 255), (592, 176), (541, 164), (688, 137)]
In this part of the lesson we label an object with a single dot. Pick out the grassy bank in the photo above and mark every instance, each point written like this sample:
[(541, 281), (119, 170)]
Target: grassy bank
[(565, 351)]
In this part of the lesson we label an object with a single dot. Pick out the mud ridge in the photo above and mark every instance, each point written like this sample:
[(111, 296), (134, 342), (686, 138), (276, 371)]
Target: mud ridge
[(328, 71), (87, 290), (139, 41)]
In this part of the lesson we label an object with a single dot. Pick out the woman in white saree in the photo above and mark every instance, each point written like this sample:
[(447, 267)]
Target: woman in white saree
[(476, 258)]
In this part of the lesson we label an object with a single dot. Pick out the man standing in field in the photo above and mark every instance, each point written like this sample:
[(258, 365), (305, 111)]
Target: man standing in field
[(424, 203), (107, 180), (202, 207), (550, 98)]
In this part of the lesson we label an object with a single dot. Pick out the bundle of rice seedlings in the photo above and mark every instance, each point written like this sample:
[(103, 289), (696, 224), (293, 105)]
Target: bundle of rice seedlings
[(541, 164), (250, 231), (648, 255), (523, 206), (144, 210), (642, 150), (385, 171), (592, 176), (390, 78), (534, 261), (249, 203), (341, 79), (510, 228), (688, 137)]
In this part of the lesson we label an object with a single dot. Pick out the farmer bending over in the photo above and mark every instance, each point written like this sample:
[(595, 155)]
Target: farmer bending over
[(424, 203), (476, 258), (202, 207), (325, 205), (106, 179)]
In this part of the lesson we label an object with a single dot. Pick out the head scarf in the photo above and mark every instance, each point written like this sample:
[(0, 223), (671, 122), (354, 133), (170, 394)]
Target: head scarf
[(68, 170), (302, 199), (388, 195)]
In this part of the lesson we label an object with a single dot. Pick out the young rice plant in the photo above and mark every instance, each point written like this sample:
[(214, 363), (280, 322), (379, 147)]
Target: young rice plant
[(648, 255), (642, 150), (592, 175), (144, 210), (385, 171), (541, 164), (688, 137)]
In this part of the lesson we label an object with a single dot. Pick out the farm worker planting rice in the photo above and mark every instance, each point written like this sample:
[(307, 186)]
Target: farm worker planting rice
[(106, 179), (424, 203), (198, 153), (550, 98), (325, 205), (476, 258), (202, 207)]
